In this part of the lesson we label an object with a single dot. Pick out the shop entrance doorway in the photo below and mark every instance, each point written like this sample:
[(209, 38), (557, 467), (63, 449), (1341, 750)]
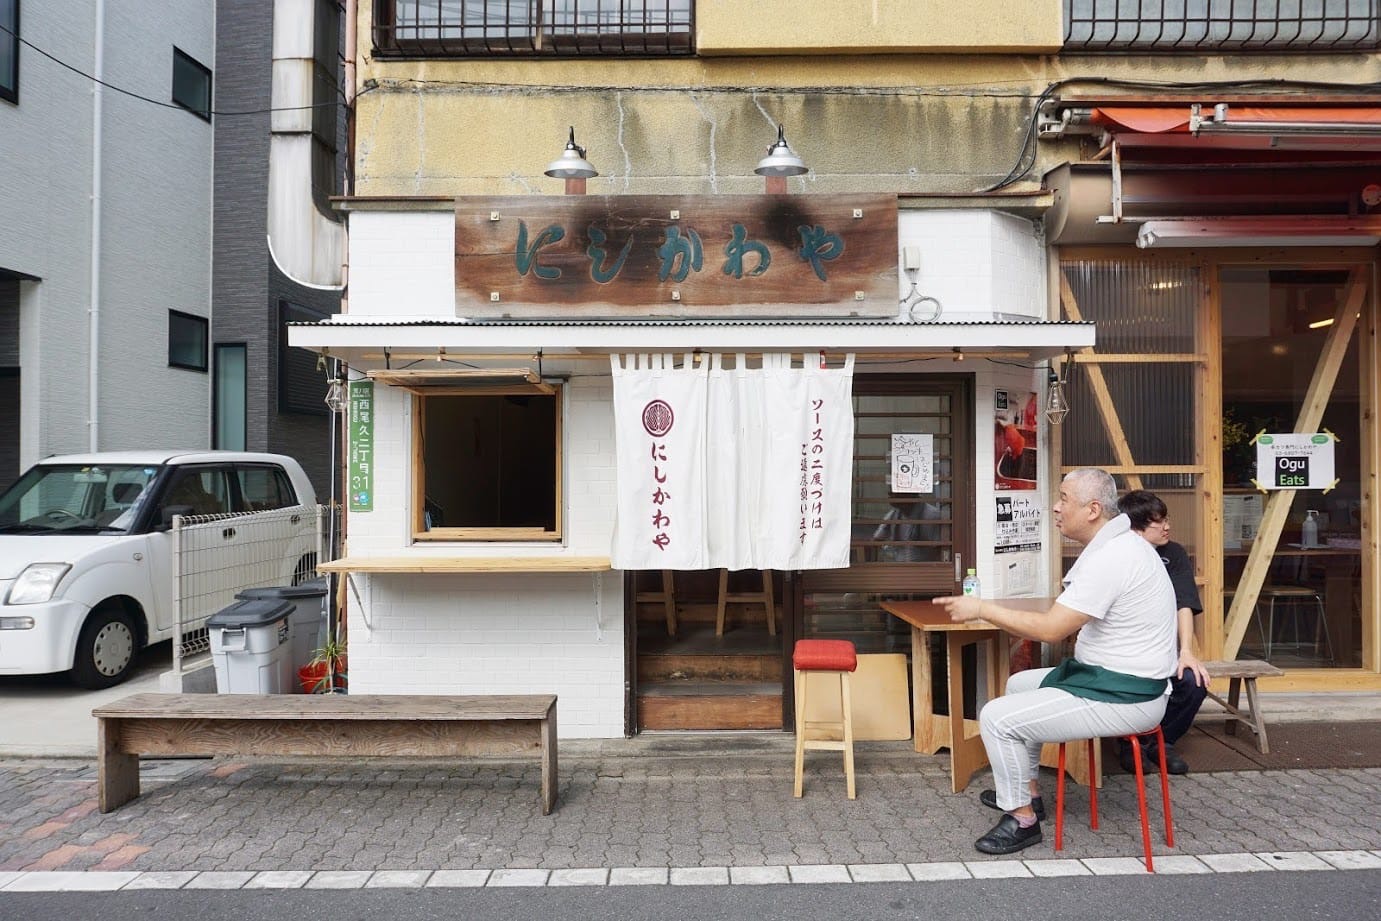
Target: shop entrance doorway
[(690, 675)]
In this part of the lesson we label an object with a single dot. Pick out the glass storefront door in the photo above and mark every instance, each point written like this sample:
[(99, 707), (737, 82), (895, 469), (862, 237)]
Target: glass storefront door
[(1291, 363), (1199, 352)]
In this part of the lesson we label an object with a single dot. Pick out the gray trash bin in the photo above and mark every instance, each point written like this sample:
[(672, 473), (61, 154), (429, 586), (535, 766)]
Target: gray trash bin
[(308, 616), (250, 646)]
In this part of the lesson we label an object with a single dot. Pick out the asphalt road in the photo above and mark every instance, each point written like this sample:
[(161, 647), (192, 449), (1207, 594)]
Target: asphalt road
[(1296, 896)]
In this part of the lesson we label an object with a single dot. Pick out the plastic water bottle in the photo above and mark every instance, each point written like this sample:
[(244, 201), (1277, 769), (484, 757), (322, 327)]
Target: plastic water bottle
[(1309, 533), (971, 586)]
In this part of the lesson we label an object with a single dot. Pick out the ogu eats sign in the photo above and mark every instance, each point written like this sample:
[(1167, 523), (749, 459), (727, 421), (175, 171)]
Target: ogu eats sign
[(670, 255)]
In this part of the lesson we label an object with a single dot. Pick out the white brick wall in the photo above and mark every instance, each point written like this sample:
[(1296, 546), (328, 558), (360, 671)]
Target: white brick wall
[(496, 634), (402, 263), (538, 633), (976, 263)]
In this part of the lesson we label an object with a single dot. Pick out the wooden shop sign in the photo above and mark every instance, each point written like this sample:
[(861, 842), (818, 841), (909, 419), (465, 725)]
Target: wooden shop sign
[(669, 255)]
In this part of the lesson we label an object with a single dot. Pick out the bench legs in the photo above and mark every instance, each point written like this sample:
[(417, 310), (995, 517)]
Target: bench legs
[(117, 772), (1252, 716), (549, 774)]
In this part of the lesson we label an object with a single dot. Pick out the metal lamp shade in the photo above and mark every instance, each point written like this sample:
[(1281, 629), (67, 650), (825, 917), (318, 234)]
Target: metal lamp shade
[(572, 163), (781, 160)]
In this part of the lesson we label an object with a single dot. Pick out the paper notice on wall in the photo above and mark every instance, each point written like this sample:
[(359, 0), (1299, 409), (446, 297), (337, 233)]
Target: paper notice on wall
[(1017, 526), (913, 463), (1241, 520), (1016, 574), (1295, 461)]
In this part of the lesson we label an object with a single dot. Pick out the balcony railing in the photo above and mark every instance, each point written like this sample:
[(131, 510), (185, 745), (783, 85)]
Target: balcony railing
[(554, 28), (1222, 25)]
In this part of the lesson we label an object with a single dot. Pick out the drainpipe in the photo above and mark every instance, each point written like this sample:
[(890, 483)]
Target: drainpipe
[(304, 243), (93, 317), (351, 36)]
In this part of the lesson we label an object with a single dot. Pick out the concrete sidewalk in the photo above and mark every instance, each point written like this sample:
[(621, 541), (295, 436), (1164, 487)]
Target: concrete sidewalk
[(659, 808)]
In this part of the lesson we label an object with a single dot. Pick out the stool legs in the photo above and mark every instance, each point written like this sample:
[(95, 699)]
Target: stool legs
[(1135, 741), (815, 735), (844, 696), (765, 597), (800, 733)]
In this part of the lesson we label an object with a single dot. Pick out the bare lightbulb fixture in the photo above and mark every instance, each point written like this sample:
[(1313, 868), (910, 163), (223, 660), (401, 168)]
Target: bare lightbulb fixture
[(1056, 406)]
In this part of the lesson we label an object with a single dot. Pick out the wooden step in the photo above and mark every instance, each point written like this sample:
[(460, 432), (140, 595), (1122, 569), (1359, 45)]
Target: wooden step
[(706, 705), (673, 666)]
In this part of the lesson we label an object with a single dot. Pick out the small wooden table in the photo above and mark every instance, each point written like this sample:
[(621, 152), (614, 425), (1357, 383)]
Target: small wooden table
[(934, 731)]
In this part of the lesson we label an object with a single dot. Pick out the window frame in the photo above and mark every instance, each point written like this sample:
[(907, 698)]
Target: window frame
[(203, 114), (217, 408), (280, 477), (416, 522), (9, 91), (537, 40), (205, 325)]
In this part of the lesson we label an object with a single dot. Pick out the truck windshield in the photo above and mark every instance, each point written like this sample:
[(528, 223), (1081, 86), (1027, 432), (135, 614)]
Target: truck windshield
[(68, 499)]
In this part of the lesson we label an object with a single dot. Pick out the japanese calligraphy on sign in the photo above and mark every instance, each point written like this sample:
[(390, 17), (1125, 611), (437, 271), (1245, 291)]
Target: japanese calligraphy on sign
[(658, 418), (361, 483), (666, 255), (813, 473)]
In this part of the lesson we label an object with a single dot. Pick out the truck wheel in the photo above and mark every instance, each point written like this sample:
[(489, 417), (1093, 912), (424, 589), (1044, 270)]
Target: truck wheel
[(105, 649)]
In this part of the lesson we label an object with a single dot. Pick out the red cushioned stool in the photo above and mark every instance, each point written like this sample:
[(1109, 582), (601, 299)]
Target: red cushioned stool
[(1135, 741), (831, 657)]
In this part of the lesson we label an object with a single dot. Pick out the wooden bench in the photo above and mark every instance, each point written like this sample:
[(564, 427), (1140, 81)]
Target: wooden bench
[(1236, 672), (390, 726)]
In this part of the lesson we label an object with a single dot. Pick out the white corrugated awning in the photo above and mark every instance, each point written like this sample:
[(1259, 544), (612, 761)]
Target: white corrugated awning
[(360, 338)]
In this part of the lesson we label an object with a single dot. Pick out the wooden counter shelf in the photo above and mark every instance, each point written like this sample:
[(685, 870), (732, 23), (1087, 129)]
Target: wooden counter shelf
[(454, 564)]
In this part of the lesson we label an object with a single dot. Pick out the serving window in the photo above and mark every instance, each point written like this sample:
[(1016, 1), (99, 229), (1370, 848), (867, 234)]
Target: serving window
[(487, 464)]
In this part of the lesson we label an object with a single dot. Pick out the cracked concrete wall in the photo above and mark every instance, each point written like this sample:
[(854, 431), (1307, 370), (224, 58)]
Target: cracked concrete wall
[(910, 124)]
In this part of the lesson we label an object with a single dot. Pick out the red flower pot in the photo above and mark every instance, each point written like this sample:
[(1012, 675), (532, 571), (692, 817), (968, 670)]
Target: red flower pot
[(313, 677)]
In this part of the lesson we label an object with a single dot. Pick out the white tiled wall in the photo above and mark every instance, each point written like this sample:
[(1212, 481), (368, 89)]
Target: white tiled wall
[(402, 264), (976, 263), (545, 633), (538, 633)]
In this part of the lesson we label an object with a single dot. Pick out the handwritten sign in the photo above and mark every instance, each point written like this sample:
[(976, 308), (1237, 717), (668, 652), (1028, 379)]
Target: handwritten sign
[(671, 255), (913, 463)]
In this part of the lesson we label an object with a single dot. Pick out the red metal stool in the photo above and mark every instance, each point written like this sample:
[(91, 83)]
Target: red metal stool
[(836, 657), (1135, 740)]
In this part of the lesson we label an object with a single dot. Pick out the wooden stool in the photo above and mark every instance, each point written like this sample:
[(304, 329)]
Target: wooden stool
[(1135, 740), (837, 657), (666, 597), (1236, 672), (763, 598)]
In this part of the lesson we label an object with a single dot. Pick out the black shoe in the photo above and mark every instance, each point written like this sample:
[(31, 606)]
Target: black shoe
[(1126, 760), (1007, 837), (1174, 764), (989, 798)]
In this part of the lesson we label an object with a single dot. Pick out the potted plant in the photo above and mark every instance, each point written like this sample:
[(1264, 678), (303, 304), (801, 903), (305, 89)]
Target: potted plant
[(326, 673)]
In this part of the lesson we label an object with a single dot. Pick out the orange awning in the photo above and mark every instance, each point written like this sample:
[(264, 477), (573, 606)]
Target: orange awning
[(1164, 119), (1336, 128)]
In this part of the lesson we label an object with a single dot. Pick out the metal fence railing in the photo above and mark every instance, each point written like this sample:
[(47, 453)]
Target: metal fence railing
[(1222, 25), (217, 556), (533, 27)]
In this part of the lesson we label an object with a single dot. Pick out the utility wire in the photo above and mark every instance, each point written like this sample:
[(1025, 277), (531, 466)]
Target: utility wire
[(1027, 152), (166, 105)]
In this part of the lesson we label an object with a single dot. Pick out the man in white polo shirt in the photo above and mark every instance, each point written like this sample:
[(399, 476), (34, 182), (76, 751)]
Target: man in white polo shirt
[(1119, 599)]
